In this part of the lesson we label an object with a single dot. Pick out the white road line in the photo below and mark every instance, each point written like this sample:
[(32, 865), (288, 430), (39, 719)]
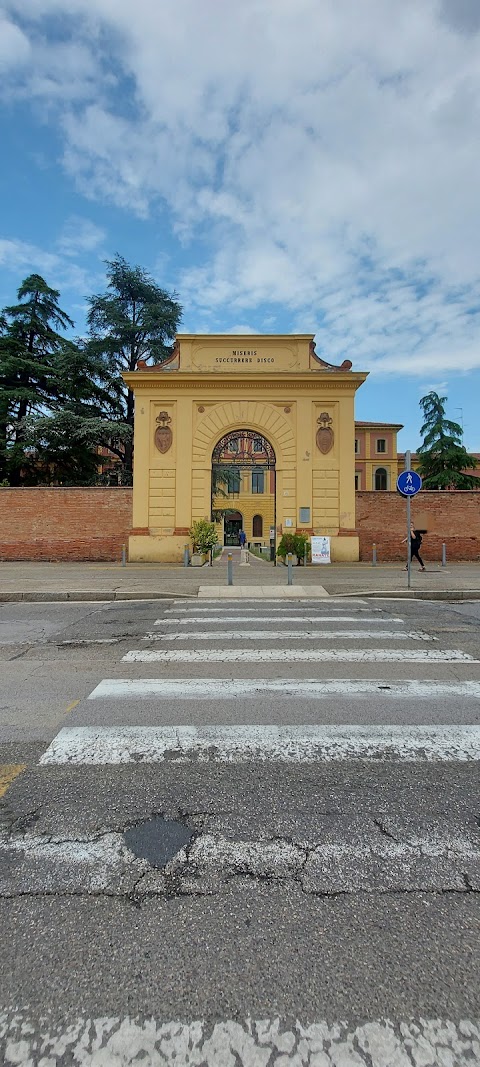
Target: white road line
[(278, 655), (245, 604), (248, 1043), (276, 618), (233, 688), (291, 635), (274, 606), (238, 744)]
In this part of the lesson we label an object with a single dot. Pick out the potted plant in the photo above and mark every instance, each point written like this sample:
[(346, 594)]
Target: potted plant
[(204, 537), (287, 544)]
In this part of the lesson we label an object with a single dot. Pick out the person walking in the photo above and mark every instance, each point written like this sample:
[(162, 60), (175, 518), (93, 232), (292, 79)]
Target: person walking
[(242, 537), (415, 542)]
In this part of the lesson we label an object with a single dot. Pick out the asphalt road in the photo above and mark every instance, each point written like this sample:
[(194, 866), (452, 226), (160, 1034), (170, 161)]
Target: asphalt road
[(230, 846)]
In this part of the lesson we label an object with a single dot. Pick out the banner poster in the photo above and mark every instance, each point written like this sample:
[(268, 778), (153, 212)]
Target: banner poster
[(320, 549)]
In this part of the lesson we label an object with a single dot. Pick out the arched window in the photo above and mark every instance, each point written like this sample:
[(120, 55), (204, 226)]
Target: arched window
[(257, 526), (381, 478)]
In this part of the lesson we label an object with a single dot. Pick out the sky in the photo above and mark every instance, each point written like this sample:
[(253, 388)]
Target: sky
[(284, 166)]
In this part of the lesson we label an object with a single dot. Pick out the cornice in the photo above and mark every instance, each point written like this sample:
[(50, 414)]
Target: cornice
[(348, 382)]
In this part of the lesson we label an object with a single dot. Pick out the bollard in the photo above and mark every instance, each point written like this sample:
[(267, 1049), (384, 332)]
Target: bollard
[(229, 569), (289, 568), (444, 555), (186, 556), (124, 555), (374, 556)]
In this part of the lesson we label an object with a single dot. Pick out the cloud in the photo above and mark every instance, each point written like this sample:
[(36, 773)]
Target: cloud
[(21, 258), (80, 235), (14, 45), (326, 164)]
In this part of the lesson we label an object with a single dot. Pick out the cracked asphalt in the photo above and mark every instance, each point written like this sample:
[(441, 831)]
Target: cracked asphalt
[(343, 894)]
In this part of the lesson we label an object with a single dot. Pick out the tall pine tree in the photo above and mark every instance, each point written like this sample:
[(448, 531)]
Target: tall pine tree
[(443, 458), (135, 319), (58, 401)]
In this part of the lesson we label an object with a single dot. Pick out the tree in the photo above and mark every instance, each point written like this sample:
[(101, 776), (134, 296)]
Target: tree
[(134, 320), (57, 401), (443, 458), (28, 344)]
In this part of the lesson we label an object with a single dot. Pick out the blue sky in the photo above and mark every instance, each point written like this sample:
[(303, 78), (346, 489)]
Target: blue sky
[(284, 165)]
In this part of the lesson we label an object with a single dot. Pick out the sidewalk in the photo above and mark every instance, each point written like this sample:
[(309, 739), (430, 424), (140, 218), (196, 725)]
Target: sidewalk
[(139, 581)]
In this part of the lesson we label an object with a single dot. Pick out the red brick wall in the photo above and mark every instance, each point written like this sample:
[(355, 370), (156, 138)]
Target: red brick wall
[(450, 517), (93, 524), (64, 524)]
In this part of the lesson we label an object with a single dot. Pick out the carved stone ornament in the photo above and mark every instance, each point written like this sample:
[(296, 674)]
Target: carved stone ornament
[(325, 434), (163, 433)]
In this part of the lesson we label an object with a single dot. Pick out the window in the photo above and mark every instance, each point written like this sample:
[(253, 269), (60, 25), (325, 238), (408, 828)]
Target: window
[(357, 446), (381, 444), (357, 481), (257, 526), (381, 478), (233, 482), (258, 479), (233, 445), (257, 444)]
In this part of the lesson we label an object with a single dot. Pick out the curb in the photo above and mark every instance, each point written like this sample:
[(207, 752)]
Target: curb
[(54, 597), (35, 597), (414, 594)]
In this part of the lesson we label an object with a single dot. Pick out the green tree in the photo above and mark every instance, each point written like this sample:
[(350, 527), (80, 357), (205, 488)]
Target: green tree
[(58, 401), (29, 341), (443, 458), (134, 320)]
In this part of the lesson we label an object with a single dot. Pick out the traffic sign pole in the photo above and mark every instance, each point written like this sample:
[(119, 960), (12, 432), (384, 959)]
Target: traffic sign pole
[(409, 484), (408, 460)]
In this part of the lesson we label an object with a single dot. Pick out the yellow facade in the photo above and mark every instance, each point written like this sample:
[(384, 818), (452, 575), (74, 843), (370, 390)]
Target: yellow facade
[(275, 386)]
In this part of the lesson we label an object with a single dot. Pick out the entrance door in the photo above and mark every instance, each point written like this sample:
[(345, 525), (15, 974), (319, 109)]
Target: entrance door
[(233, 525)]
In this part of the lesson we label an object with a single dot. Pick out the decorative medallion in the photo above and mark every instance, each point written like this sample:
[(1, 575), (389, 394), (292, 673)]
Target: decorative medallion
[(287, 410), (325, 435), (163, 433), (201, 408)]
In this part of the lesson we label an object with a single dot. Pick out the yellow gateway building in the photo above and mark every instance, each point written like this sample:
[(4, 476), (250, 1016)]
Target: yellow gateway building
[(258, 431)]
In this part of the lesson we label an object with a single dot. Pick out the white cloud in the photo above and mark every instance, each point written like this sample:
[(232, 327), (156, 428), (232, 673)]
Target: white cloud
[(80, 235), (14, 45), (328, 159), (20, 258)]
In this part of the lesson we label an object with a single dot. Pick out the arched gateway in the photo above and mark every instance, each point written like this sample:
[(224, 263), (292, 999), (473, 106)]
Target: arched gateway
[(243, 481), (288, 414)]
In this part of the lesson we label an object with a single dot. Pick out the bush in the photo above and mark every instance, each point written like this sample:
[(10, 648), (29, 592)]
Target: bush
[(204, 535), (287, 544), (302, 542)]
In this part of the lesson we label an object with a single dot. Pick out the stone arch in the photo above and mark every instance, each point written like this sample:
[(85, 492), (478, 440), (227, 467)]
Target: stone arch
[(266, 419)]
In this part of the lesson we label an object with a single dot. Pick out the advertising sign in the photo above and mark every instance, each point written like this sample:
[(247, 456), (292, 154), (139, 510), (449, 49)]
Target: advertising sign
[(320, 549)]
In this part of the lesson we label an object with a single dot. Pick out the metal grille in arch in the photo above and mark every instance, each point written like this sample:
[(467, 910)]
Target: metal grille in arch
[(244, 448)]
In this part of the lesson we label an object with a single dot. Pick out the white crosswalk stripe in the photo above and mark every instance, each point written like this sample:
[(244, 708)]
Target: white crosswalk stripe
[(234, 744), (292, 635), (324, 655), (232, 688)]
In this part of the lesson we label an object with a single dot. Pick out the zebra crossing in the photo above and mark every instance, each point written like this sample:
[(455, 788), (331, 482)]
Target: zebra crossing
[(325, 768), (159, 706)]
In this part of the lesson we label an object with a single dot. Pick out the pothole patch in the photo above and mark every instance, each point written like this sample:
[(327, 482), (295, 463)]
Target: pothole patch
[(158, 840)]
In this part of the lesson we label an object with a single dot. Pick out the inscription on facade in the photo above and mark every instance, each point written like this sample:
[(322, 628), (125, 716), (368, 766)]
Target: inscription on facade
[(244, 355)]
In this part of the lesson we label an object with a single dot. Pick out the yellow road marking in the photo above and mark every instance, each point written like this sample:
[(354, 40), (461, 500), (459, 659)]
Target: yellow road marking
[(8, 773), (71, 706)]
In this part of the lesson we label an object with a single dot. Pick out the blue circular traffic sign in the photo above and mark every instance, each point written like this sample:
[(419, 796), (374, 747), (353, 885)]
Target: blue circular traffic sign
[(409, 483)]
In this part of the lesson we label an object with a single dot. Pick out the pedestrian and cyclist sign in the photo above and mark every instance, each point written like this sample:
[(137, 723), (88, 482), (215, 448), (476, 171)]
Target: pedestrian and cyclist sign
[(409, 483)]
